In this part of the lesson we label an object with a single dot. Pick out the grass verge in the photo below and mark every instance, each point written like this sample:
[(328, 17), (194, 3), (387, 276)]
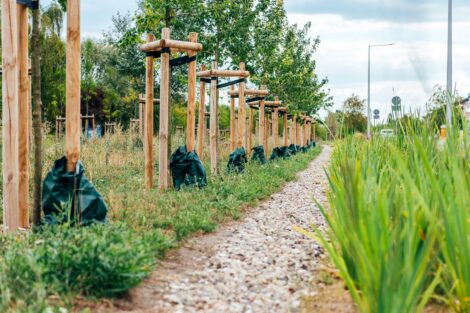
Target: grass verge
[(45, 271)]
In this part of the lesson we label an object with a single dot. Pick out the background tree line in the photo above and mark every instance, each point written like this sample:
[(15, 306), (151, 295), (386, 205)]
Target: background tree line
[(277, 54)]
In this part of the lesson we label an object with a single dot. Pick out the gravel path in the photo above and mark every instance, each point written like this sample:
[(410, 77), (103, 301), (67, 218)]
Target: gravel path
[(258, 264)]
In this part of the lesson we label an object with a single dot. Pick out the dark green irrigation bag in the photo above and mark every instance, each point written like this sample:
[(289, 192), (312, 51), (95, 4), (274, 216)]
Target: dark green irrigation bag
[(187, 169), (313, 144), (258, 155), (280, 153), (71, 197), (236, 161), (293, 149)]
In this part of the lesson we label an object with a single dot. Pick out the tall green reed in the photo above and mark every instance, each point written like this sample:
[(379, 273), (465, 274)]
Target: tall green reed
[(399, 220)]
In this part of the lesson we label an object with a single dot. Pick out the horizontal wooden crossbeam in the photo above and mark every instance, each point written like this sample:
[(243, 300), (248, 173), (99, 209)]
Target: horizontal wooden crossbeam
[(269, 103), (175, 45), (223, 73), (143, 101), (248, 92)]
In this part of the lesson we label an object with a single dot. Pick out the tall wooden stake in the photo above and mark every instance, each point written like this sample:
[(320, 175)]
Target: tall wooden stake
[(275, 118), (191, 113), (201, 129), (285, 133), (148, 117), (314, 132), (266, 135), (72, 102), (250, 132), (164, 131), (11, 217), (241, 111), (214, 118), (23, 114), (261, 124), (233, 125)]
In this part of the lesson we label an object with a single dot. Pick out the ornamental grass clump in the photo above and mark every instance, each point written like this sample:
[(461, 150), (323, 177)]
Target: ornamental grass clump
[(399, 220)]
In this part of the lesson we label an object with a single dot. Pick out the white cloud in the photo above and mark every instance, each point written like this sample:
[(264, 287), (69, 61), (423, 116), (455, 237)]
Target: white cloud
[(411, 68)]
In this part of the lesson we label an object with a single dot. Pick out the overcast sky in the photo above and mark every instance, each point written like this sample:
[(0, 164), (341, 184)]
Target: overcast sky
[(409, 69)]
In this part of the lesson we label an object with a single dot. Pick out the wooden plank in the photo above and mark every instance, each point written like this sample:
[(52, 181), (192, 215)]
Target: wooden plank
[(214, 119), (72, 102), (164, 133), (148, 118), (233, 127), (11, 216), (23, 115), (191, 112), (224, 73), (170, 43), (249, 92), (275, 117), (241, 111), (201, 129)]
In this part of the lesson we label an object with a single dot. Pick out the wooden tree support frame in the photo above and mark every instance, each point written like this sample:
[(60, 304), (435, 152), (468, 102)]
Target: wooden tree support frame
[(60, 121), (163, 48), (263, 121), (214, 74), (141, 123)]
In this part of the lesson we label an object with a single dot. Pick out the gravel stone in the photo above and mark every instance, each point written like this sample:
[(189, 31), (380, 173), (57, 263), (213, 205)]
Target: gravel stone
[(258, 264)]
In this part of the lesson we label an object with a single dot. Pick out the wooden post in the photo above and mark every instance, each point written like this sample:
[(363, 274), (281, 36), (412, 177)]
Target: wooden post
[(191, 114), (233, 127), (214, 124), (72, 102), (261, 124), (23, 115), (241, 111), (285, 133), (257, 129), (298, 134), (164, 133), (266, 135), (245, 140), (148, 117), (11, 216), (276, 124), (201, 129), (141, 115), (293, 131), (314, 132), (250, 131)]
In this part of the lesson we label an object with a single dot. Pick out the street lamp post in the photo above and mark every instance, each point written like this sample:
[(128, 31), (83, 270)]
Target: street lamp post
[(449, 68), (368, 87)]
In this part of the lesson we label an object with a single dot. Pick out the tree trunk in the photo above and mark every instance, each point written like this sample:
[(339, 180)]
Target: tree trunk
[(37, 104)]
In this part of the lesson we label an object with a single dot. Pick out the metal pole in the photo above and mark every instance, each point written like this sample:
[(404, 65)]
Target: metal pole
[(368, 98), (449, 68)]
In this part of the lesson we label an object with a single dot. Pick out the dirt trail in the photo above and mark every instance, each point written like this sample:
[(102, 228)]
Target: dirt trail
[(257, 264)]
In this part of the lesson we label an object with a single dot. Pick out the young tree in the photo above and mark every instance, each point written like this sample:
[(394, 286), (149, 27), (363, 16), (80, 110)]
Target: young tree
[(37, 122), (354, 118)]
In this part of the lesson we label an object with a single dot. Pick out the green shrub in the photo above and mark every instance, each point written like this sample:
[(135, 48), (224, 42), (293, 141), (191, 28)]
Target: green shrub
[(96, 261)]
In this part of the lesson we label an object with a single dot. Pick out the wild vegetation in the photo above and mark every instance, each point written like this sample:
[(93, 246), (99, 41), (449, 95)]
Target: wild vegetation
[(51, 266), (400, 219)]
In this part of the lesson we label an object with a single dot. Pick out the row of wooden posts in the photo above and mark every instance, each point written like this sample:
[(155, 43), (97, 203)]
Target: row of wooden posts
[(162, 49), (16, 94)]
